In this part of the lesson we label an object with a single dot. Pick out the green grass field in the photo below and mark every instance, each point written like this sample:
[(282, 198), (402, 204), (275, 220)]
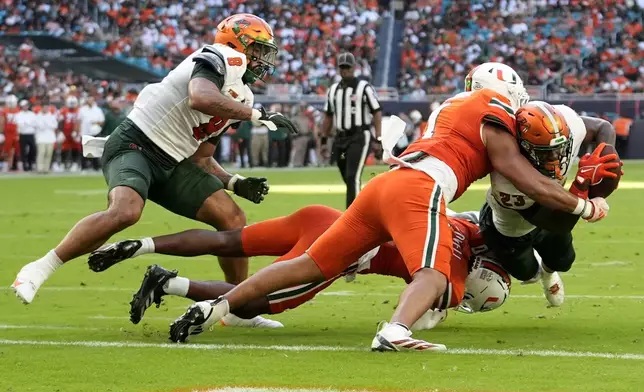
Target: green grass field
[(76, 335)]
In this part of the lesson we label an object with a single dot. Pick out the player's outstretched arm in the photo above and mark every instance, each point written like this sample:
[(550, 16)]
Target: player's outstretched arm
[(506, 158), (599, 130)]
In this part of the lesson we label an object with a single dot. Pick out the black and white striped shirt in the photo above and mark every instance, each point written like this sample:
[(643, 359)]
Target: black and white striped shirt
[(352, 104)]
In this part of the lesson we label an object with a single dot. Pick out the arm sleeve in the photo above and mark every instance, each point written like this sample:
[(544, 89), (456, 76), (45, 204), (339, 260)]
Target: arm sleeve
[(372, 99), (205, 70)]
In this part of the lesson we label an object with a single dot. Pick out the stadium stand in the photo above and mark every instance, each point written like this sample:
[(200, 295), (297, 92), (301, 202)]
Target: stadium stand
[(583, 47)]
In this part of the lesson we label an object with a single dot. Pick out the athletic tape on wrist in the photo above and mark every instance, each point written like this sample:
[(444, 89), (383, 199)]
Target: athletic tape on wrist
[(231, 184)]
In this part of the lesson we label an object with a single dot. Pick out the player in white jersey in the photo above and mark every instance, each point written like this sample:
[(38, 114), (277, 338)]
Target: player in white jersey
[(164, 149), (513, 224)]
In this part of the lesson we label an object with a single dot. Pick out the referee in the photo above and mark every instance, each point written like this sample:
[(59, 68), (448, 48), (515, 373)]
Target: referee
[(350, 106)]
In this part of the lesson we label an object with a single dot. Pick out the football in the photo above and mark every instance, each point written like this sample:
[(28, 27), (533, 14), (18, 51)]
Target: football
[(607, 185)]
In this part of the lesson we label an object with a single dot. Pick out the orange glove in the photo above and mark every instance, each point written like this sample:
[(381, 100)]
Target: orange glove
[(592, 169)]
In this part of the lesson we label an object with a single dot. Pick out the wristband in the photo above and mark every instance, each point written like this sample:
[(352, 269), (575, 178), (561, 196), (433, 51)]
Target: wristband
[(589, 210), (255, 115), (231, 184), (581, 207)]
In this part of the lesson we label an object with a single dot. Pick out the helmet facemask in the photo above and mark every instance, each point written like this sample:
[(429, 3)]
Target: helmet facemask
[(551, 161), (261, 57)]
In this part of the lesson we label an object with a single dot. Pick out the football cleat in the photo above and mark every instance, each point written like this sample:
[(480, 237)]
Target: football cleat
[(151, 291), (553, 288), (103, 258), (395, 337), (199, 317), (230, 320)]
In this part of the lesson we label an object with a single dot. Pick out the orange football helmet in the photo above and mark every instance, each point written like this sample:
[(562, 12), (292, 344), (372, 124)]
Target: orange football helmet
[(252, 36), (545, 138)]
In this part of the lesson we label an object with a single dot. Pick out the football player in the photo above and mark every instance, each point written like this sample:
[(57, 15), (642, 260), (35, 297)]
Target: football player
[(550, 137), (164, 149), (467, 137), (487, 288), (11, 146)]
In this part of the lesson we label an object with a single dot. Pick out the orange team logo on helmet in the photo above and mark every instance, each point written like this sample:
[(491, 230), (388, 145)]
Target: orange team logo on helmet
[(252, 36), (545, 138)]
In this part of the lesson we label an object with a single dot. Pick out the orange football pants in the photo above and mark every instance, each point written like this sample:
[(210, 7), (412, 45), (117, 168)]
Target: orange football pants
[(402, 205)]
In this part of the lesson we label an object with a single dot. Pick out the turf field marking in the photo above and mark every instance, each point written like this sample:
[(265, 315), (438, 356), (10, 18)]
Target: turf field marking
[(333, 293), (101, 317), (239, 347), (312, 189), (49, 327), (271, 389)]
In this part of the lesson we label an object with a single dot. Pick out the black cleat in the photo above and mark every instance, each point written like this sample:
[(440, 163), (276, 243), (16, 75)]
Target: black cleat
[(190, 323), (150, 292), (104, 258)]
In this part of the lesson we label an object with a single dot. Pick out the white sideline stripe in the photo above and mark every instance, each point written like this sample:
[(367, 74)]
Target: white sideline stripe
[(214, 347), (579, 296), (334, 293), (49, 327), (101, 317), (335, 189), (269, 389)]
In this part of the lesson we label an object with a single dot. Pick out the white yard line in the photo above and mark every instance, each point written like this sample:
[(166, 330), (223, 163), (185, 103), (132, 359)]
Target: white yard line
[(335, 189), (239, 347), (343, 293), (49, 327)]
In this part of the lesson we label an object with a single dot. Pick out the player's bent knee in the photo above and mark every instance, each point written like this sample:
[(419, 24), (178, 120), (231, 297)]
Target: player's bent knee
[(236, 219), (125, 216), (562, 263)]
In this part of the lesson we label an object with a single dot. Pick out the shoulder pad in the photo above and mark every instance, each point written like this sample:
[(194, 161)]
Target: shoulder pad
[(212, 56)]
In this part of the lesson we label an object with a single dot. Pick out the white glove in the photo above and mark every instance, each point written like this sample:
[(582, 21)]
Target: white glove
[(599, 210)]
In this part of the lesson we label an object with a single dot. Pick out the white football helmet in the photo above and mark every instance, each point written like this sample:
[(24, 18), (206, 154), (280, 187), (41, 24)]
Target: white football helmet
[(487, 286), (11, 101), (71, 102), (500, 78)]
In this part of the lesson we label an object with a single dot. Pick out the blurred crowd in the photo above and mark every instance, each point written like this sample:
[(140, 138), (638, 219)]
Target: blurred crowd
[(582, 46), (160, 33)]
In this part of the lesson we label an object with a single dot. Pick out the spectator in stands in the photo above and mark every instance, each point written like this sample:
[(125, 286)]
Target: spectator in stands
[(46, 137), (91, 120), (27, 124)]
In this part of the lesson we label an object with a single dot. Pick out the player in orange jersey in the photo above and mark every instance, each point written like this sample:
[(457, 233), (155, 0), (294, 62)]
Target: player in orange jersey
[(288, 237), (467, 137), (11, 146), (70, 124)]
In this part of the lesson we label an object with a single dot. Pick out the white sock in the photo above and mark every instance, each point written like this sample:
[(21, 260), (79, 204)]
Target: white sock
[(177, 286), (147, 246), (46, 265)]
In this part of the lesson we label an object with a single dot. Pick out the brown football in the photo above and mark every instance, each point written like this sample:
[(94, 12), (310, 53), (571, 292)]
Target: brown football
[(607, 185)]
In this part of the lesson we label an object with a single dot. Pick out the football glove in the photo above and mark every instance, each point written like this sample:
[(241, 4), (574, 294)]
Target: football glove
[(592, 169), (251, 188), (274, 120)]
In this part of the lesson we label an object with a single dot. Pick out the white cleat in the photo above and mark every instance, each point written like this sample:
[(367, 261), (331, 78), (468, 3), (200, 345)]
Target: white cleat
[(553, 288), (230, 320), (430, 319), (27, 283), (395, 337)]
